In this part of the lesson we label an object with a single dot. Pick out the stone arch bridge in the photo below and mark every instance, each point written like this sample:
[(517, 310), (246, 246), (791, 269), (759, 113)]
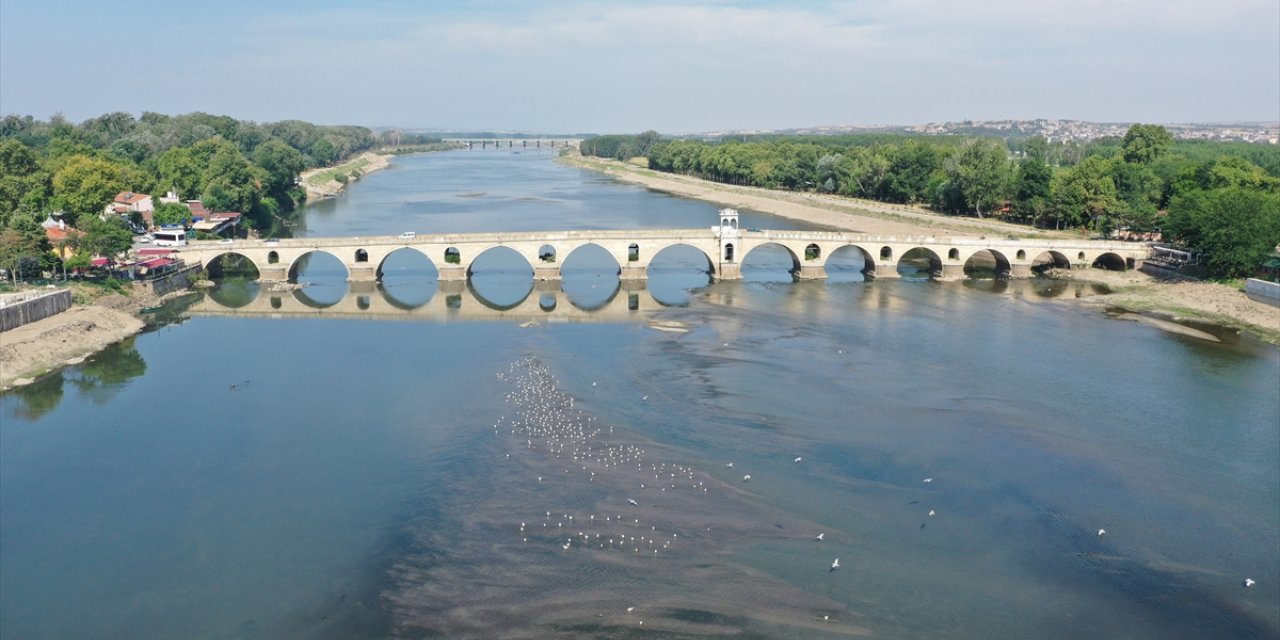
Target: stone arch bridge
[(725, 247)]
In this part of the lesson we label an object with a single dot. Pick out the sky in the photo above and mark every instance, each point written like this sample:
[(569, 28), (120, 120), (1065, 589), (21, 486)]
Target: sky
[(623, 67)]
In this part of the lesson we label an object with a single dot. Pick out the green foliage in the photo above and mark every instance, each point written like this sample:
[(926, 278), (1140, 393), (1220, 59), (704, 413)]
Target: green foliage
[(1086, 195), (170, 213), (85, 185), (1234, 228), (981, 173), (1144, 143), (110, 237)]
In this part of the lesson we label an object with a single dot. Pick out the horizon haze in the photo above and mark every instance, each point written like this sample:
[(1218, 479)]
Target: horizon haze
[(676, 68)]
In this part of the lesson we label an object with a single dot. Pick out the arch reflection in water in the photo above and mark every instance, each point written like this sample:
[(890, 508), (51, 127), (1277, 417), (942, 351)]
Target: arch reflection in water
[(500, 278), (407, 278), (589, 277), (676, 271), (451, 301), (770, 263), (325, 278), (235, 293)]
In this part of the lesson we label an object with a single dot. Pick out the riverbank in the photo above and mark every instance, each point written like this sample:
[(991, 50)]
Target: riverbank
[(1181, 301), (833, 212), (1205, 302), (324, 182), (98, 319)]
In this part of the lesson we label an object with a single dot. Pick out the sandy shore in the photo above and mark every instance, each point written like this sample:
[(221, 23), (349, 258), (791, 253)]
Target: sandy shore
[(35, 349), (1206, 302), (1177, 300), (316, 191), (834, 212)]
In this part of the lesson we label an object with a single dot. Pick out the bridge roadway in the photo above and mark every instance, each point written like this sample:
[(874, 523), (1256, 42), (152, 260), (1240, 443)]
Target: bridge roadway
[(451, 302), (724, 248)]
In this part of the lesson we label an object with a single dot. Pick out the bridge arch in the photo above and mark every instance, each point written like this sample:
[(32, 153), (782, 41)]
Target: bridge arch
[(402, 253), (592, 253), (218, 265), (1111, 262), (987, 261), (845, 261), (1050, 260), (505, 259), (302, 258), (919, 259), (705, 264), (759, 262)]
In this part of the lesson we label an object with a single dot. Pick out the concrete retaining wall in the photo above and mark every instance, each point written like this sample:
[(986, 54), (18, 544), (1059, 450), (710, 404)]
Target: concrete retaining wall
[(1268, 292), (175, 281), (27, 309)]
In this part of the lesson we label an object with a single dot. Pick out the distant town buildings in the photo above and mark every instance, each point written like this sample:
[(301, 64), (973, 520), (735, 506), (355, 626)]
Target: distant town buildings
[(1052, 130)]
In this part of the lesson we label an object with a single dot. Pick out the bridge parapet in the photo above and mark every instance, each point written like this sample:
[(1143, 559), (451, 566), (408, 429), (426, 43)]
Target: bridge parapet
[(453, 254)]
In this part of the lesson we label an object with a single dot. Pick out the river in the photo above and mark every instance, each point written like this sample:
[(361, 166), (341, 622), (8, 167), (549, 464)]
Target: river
[(303, 473)]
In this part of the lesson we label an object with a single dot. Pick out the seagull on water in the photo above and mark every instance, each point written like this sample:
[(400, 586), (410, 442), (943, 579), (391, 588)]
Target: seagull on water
[(927, 480), (632, 502), (1248, 583), (798, 459), (932, 513), (1102, 532), (730, 465), (746, 478)]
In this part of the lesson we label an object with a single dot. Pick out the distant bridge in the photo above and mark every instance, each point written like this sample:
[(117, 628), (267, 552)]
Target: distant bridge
[(724, 248), (514, 143)]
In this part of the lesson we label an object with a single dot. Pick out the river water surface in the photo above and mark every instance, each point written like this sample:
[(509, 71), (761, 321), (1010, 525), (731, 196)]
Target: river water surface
[(240, 473)]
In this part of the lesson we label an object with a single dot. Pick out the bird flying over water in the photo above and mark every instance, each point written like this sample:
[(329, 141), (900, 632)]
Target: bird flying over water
[(632, 502), (820, 536), (1101, 532), (1248, 583), (835, 564), (798, 459)]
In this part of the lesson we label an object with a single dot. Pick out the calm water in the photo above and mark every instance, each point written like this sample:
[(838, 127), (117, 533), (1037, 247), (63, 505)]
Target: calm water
[(322, 474)]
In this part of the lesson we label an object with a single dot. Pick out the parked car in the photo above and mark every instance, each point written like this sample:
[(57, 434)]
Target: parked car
[(408, 235), (271, 242), (226, 241)]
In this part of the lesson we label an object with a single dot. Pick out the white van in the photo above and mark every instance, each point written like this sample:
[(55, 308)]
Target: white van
[(408, 235), (169, 237)]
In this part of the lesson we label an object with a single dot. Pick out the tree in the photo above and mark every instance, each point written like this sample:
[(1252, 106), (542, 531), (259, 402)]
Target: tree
[(170, 213), (282, 164), (1233, 228), (980, 172), (1032, 189), (1143, 143), (110, 237), (86, 185), (1085, 194), (23, 184)]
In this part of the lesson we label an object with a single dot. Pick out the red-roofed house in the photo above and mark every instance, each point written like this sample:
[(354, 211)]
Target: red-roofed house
[(127, 202), (60, 236)]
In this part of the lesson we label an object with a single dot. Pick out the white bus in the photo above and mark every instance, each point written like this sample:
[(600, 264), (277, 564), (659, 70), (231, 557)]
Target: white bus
[(169, 237)]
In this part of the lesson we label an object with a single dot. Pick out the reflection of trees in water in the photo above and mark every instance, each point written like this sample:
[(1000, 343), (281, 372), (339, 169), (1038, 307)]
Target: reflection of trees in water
[(101, 377), (234, 293), (39, 398)]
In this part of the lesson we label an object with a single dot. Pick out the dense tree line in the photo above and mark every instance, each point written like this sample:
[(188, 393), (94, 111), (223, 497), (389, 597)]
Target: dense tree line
[(1145, 182), (232, 165)]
